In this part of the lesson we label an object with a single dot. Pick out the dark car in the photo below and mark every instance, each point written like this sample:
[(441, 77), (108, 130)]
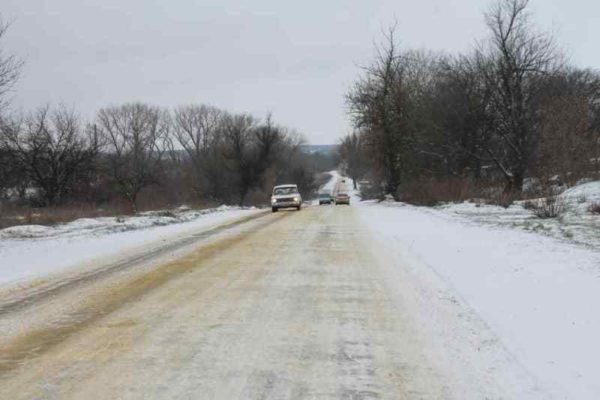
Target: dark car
[(325, 198), (342, 198)]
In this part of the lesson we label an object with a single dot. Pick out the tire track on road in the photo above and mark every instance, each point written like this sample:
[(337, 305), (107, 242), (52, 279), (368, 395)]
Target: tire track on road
[(105, 301), (34, 296)]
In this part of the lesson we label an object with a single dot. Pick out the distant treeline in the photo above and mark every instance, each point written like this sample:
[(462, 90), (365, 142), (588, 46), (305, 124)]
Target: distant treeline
[(191, 153), (511, 112)]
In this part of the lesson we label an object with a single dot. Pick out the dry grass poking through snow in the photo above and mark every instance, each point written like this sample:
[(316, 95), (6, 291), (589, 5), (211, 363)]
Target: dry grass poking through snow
[(572, 215), (594, 207)]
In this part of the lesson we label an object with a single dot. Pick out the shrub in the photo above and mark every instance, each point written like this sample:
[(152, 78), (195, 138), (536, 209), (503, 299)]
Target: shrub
[(369, 191), (430, 192), (25, 215), (504, 199), (594, 207), (165, 213), (551, 207)]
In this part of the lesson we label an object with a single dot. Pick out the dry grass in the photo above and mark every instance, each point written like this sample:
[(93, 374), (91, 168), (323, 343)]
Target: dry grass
[(432, 192), (594, 208), (503, 199), (25, 215), (550, 207), (13, 214)]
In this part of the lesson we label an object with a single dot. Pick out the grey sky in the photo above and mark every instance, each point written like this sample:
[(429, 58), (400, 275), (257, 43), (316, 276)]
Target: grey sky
[(296, 59)]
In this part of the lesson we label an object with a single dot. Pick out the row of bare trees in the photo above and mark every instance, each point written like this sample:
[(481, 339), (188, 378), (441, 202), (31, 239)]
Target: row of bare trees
[(197, 151), (511, 109)]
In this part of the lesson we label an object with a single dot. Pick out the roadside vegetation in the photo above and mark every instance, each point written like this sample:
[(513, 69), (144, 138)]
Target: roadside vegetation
[(512, 119), (137, 156)]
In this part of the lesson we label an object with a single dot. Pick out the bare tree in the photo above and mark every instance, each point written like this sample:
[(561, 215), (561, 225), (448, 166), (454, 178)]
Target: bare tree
[(569, 126), (290, 163), (233, 154), (377, 104), (13, 179), (352, 155), (53, 150), (10, 68), (237, 133), (521, 57), (195, 129), (386, 106), (460, 113), (270, 140), (136, 137)]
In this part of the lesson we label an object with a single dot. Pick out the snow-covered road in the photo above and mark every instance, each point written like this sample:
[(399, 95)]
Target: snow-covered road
[(34, 253), (536, 295), (361, 302)]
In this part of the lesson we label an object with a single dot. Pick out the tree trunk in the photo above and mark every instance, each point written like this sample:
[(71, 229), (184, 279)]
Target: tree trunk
[(243, 196), (133, 202), (514, 184)]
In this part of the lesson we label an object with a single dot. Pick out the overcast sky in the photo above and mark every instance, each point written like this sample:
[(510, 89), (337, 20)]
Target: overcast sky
[(296, 59)]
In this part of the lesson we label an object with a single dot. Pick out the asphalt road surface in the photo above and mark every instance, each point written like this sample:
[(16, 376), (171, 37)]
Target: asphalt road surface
[(291, 305)]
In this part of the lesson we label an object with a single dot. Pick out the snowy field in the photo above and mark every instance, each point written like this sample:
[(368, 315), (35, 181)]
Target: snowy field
[(537, 293), (31, 252)]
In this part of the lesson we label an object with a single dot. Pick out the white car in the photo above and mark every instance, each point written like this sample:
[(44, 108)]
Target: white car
[(342, 198), (286, 196)]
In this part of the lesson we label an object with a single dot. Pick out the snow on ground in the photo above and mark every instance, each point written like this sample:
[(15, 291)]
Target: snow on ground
[(329, 187), (105, 225), (582, 196), (32, 251), (576, 224), (538, 294)]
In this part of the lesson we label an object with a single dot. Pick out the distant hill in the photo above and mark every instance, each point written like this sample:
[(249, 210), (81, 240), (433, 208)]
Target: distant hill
[(324, 149)]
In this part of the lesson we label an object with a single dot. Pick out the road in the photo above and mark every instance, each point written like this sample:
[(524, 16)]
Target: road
[(291, 305)]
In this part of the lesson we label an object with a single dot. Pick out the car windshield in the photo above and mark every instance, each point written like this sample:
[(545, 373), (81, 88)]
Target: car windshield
[(324, 195), (285, 190), (342, 194)]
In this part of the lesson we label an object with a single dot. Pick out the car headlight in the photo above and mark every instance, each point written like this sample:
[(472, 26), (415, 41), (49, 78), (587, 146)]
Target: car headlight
[(273, 200), (296, 199)]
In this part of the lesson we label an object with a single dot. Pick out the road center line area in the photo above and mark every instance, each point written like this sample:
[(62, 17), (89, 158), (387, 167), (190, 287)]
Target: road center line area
[(292, 305)]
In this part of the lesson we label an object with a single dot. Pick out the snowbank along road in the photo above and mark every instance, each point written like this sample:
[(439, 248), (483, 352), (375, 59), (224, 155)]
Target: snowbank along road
[(292, 305)]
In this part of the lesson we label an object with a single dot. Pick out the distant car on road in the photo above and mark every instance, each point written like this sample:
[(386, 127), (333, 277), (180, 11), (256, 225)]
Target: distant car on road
[(325, 198), (342, 198), (286, 196)]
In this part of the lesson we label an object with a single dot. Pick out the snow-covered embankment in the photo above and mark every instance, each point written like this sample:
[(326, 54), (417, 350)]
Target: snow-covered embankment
[(32, 252)]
